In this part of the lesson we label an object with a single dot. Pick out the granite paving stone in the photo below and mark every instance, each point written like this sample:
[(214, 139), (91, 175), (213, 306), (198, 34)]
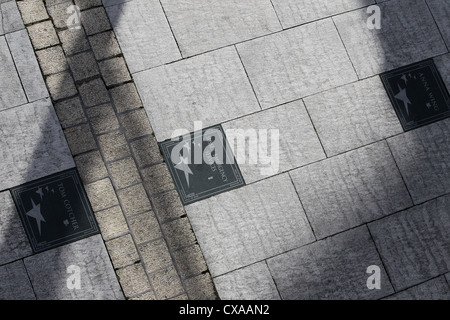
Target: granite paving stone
[(27, 65), (83, 65), (212, 87), (32, 11), (90, 166), (73, 41), (105, 45), (145, 227), (114, 71), (43, 35), (205, 25), (168, 205), (80, 139), (95, 20), (292, 12), (149, 295), (61, 85), (134, 280), (146, 151), (289, 65), (423, 157), (408, 34), (143, 33), (93, 92), (113, 145), (178, 233), (122, 251), (157, 179), (14, 282), (190, 261), (435, 289), (246, 225), (126, 97), (297, 140), (124, 173), (14, 242), (31, 149), (200, 288), (166, 283), (441, 11), (134, 199), (10, 85), (60, 14), (330, 269), (413, 244), (103, 118), (48, 272), (353, 115), (10, 19), (345, 191), (155, 255), (101, 195), (111, 222), (443, 66), (135, 123), (250, 283), (86, 4), (52, 60)]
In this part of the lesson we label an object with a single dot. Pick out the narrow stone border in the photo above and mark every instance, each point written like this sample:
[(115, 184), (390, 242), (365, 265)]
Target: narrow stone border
[(146, 231)]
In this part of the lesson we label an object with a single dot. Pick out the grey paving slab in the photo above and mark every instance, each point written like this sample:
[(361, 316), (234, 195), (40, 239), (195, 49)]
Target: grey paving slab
[(293, 12), (143, 34), (27, 65), (441, 13), (333, 268), (49, 273), (350, 189), (297, 62), (408, 34), (10, 19), (211, 88), (14, 242), (10, 86), (435, 289), (14, 282), (443, 65), (250, 283), (353, 115), (205, 25), (297, 140), (423, 157), (31, 149), (246, 225), (413, 244)]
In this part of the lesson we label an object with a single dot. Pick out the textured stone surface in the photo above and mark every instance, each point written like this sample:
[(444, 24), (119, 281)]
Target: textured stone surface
[(144, 227), (70, 112), (103, 118), (14, 242), (423, 157), (124, 173), (32, 11), (133, 280), (31, 149), (114, 71), (14, 282), (435, 289), (441, 11), (297, 140), (158, 179), (134, 199), (146, 151), (11, 88), (135, 123), (93, 92), (408, 34), (205, 25), (80, 139), (52, 60), (350, 189), (104, 45), (111, 222), (48, 272), (95, 21), (10, 18), (61, 85), (250, 283), (178, 233), (414, 243), (143, 34), (155, 255), (126, 97), (166, 283), (190, 261), (122, 251), (237, 228), (297, 62), (292, 12), (83, 65), (27, 65), (86, 4), (201, 288), (212, 88), (334, 268), (353, 115), (73, 40), (113, 145), (101, 194), (60, 14), (91, 167), (443, 65), (43, 35), (168, 205)]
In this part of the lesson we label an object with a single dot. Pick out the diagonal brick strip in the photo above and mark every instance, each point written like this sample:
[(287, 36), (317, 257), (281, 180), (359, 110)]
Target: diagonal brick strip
[(143, 223)]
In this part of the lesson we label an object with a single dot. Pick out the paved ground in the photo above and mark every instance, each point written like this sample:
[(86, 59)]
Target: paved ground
[(353, 190)]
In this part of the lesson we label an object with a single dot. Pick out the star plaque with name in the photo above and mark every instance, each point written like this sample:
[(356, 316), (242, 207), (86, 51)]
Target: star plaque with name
[(201, 164), (418, 94), (55, 210)]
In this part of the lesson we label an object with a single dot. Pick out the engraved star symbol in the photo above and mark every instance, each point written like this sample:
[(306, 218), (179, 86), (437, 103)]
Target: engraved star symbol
[(183, 166), (404, 98), (35, 213)]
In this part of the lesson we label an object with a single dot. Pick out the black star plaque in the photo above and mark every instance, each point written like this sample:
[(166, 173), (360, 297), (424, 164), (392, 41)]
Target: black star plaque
[(55, 210), (201, 164), (418, 94)]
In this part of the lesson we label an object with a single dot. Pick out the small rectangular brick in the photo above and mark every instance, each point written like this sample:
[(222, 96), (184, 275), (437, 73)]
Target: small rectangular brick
[(168, 206), (83, 65), (101, 194), (111, 222), (105, 45), (122, 250), (95, 20), (114, 71), (155, 255), (166, 283), (145, 227), (103, 118), (61, 85), (178, 233), (135, 123), (52, 60), (133, 280), (190, 261), (201, 288), (146, 151), (158, 179), (93, 93), (86, 4), (124, 173), (90, 166), (134, 199), (149, 295), (43, 35), (126, 97), (73, 41), (32, 11), (113, 145), (80, 139), (59, 13), (70, 112)]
